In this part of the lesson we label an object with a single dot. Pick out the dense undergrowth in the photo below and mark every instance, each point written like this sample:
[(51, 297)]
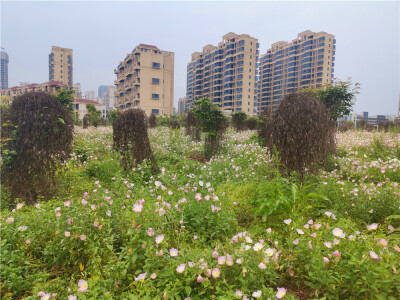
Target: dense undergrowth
[(229, 228)]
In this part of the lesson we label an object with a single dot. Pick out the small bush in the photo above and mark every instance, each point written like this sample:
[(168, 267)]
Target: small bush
[(212, 122), (131, 139), (239, 120), (38, 143), (86, 121), (153, 121), (192, 127), (174, 124), (252, 123), (345, 126), (302, 131)]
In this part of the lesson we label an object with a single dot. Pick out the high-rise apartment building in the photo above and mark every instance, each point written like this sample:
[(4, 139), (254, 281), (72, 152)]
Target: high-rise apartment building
[(102, 90), (61, 65), (308, 61), (4, 69), (109, 96), (90, 95), (77, 90), (145, 79), (227, 74), (181, 105)]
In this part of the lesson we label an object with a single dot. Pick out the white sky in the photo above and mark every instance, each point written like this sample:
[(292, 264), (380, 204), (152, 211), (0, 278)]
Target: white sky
[(102, 33)]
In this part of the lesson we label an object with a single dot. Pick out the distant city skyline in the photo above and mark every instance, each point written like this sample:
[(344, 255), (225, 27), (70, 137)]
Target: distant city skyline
[(367, 35)]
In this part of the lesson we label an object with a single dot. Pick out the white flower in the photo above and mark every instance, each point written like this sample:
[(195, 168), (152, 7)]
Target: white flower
[(258, 246), (257, 294)]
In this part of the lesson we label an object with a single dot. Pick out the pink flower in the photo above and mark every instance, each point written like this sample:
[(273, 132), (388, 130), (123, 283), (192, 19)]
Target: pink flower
[(72, 297), (159, 239), (221, 260), (195, 237), (373, 255), (84, 202), (238, 293), (137, 207), (153, 276), (299, 231), (262, 266), (328, 244), (150, 231), (67, 203), (296, 242), (67, 233), (141, 276), (83, 285), (83, 237), (336, 253), (281, 293), (200, 279), (337, 232), (287, 221), (173, 252), (383, 242), (181, 268), (215, 272), (326, 260), (373, 226)]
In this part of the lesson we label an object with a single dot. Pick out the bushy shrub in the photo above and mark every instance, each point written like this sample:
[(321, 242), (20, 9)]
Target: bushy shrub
[(212, 122), (302, 132), (174, 124), (345, 126), (239, 120), (252, 123), (192, 126), (39, 142), (131, 139), (153, 121), (86, 121)]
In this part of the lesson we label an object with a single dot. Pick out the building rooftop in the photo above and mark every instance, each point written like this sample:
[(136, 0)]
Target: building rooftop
[(87, 101)]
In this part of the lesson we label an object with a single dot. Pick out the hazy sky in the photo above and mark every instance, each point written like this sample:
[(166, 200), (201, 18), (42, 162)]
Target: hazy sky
[(102, 33)]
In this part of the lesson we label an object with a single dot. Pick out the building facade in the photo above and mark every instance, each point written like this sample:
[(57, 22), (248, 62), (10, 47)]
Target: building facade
[(90, 95), (182, 105), (4, 59), (109, 97), (227, 74), (61, 65), (80, 107), (145, 79), (77, 90), (308, 61), (102, 89), (51, 87)]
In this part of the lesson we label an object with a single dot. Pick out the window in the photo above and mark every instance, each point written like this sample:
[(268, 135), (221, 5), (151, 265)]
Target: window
[(156, 65), (155, 80), (155, 111), (77, 106), (155, 96)]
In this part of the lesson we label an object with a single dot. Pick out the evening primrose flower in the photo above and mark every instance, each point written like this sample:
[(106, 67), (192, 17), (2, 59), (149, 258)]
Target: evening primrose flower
[(83, 237), (373, 226), (238, 293), (229, 260), (221, 260), (296, 242), (19, 206), (83, 285), (281, 293), (150, 232), (215, 272), (141, 276), (373, 255), (258, 246), (10, 220), (328, 244), (299, 231), (262, 266), (67, 233), (22, 228), (337, 232), (257, 294), (159, 239), (287, 221), (137, 207), (72, 297), (269, 251), (326, 260), (173, 252), (181, 268), (383, 242)]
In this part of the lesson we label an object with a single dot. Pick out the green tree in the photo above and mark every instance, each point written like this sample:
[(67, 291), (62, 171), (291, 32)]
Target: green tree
[(338, 97), (212, 122), (112, 115), (94, 114), (66, 98), (239, 120)]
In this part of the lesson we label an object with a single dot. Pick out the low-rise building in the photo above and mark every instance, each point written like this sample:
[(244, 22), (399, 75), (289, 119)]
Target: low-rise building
[(80, 107), (51, 87)]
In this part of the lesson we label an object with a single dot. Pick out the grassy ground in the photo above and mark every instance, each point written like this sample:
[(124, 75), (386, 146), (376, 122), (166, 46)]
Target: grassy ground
[(229, 228)]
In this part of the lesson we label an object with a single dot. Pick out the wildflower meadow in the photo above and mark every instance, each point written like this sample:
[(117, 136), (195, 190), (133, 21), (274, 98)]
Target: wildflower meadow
[(231, 227)]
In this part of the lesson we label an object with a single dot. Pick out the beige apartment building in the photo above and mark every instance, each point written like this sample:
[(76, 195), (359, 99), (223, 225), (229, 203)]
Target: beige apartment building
[(227, 74), (51, 87), (308, 61), (182, 105), (145, 79), (61, 65)]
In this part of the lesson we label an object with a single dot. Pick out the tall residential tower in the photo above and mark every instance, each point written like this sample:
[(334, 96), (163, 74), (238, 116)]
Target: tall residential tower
[(227, 74), (4, 69), (308, 61), (145, 79), (61, 65)]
